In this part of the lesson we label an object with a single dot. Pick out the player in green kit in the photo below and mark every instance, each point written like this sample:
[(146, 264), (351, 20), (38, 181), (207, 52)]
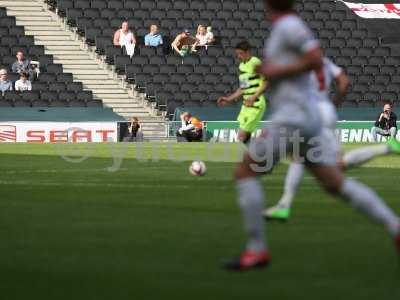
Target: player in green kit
[(252, 88)]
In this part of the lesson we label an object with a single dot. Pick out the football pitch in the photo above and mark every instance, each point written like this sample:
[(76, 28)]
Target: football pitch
[(129, 222)]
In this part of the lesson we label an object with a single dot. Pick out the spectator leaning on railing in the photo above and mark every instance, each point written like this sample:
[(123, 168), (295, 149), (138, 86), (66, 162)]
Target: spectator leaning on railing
[(183, 43), (386, 123), (5, 84), (191, 129)]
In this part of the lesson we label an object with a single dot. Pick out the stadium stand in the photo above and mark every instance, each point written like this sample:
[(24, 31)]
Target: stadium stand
[(171, 82), (52, 83)]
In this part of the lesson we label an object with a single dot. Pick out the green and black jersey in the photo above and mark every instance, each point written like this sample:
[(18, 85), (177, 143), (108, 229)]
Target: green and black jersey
[(249, 80)]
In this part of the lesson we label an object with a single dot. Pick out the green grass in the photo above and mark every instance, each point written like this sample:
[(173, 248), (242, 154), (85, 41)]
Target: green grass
[(150, 231)]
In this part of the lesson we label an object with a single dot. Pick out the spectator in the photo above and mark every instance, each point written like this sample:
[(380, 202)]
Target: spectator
[(5, 84), (125, 38), (21, 65), (386, 123), (201, 38), (183, 42), (191, 129), (210, 36), (134, 127), (23, 84), (134, 133), (35, 66), (154, 38)]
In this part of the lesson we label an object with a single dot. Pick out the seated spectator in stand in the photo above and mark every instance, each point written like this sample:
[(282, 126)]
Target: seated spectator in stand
[(35, 66), (154, 38), (191, 129), (5, 84), (22, 65), (201, 38), (125, 38), (183, 43), (210, 36), (386, 123), (23, 84)]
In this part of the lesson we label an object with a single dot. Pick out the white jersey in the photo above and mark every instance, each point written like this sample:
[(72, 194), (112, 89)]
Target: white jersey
[(322, 84), (292, 100)]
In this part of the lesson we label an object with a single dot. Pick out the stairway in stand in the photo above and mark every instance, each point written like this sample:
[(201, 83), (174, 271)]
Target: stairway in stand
[(49, 31)]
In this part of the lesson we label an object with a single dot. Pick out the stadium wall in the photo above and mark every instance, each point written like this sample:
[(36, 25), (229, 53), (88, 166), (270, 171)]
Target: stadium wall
[(52, 125), (227, 131)]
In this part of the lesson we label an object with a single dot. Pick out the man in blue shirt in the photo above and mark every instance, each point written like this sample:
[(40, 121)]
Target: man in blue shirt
[(154, 38)]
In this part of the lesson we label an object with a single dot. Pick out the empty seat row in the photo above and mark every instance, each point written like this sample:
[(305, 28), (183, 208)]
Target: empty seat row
[(49, 98), (73, 14), (11, 50), (12, 31), (63, 5)]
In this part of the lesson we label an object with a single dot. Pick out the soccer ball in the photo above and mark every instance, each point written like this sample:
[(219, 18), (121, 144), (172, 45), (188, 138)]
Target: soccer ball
[(197, 168)]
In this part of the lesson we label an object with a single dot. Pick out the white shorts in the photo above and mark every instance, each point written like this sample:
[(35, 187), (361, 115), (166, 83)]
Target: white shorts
[(277, 143), (329, 121), (328, 114)]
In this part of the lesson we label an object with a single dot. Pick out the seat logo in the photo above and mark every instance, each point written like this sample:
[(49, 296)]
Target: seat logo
[(8, 133)]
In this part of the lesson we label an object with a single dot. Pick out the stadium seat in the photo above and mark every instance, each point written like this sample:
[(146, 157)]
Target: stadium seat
[(47, 77), (54, 68), (83, 4), (3, 12), (11, 96), (65, 78), (94, 103), (74, 86), (98, 4), (165, 5), (39, 86), (35, 50), (131, 71), (76, 103), (57, 86), (7, 22), (120, 62), (16, 31), (84, 96), (111, 52), (132, 4)]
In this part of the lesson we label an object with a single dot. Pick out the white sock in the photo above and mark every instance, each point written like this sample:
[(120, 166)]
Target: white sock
[(360, 156), (365, 200), (293, 179), (251, 199)]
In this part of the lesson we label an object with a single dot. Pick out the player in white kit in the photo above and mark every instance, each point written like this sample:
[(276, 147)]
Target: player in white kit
[(327, 111), (291, 55)]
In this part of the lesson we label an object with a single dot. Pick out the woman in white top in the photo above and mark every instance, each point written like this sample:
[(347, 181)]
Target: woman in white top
[(125, 38), (201, 37), (23, 84)]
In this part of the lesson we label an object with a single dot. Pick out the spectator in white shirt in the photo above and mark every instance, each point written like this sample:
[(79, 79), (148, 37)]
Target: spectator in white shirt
[(210, 36), (5, 84), (124, 37), (23, 84), (201, 38)]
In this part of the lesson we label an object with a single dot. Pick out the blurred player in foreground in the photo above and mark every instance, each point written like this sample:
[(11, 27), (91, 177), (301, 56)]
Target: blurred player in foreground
[(327, 110), (252, 88), (291, 55)]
